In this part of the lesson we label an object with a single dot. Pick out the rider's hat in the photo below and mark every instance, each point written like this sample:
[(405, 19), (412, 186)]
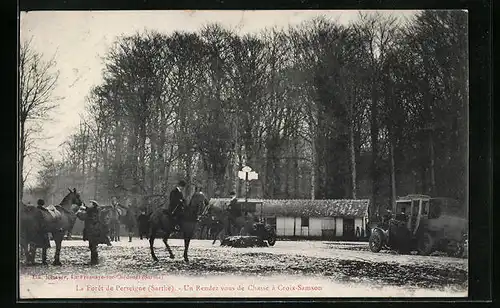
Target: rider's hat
[(93, 203)]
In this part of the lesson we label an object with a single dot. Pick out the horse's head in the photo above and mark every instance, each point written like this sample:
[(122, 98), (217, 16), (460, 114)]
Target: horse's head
[(72, 200)]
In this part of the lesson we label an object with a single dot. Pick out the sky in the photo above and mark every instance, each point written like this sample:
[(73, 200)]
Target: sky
[(79, 40)]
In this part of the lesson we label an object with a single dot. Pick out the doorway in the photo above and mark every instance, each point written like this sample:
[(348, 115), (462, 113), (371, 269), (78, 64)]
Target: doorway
[(349, 228)]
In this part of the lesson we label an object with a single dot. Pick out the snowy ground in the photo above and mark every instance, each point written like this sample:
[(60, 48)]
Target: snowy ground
[(289, 269)]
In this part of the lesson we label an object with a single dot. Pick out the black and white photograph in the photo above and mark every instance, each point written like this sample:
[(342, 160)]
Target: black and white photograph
[(243, 154)]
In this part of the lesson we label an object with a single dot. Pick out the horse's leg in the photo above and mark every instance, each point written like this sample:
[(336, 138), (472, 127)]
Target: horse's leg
[(165, 240), (200, 234), (70, 230), (94, 258), (117, 231), (44, 255), (152, 236), (214, 237), (58, 237), (31, 254), (187, 238), (130, 233), (25, 250)]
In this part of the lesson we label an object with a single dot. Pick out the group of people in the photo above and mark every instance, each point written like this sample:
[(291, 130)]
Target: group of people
[(176, 210), (177, 205)]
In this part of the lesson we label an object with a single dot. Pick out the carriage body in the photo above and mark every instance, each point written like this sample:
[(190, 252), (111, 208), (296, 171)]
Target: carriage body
[(423, 224)]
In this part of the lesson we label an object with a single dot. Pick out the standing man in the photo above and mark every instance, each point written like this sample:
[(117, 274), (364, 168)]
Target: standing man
[(231, 208), (45, 242), (176, 204)]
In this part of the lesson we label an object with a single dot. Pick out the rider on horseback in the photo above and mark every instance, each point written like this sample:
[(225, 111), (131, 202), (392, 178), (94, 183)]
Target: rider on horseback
[(177, 203)]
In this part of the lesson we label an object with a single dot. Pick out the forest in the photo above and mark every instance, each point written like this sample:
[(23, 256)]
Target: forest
[(374, 109)]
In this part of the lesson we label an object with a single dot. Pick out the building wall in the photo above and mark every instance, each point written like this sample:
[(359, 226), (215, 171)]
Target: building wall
[(315, 224), (285, 226), (339, 226), (318, 226)]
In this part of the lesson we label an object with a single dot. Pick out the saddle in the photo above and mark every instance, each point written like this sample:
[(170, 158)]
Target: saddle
[(53, 211)]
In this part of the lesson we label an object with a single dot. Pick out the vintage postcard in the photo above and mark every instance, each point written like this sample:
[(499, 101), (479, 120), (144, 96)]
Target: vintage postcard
[(243, 154)]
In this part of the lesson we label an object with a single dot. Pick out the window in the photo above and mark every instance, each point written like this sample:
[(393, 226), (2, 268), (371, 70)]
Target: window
[(434, 210), (402, 207), (271, 221), (304, 222), (416, 204), (425, 207)]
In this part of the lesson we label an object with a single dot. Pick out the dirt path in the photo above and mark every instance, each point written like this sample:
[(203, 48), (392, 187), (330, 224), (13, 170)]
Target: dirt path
[(308, 269)]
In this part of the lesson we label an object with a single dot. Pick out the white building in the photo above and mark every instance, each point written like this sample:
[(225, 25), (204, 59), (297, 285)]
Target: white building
[(325, 219)]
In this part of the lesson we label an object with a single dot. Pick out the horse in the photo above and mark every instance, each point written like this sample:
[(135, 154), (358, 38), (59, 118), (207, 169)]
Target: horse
[(143, 224), (160, 221), (127, 218), (37, 222)]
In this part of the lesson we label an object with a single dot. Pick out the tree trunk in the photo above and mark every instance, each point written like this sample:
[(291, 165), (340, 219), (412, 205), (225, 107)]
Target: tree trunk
[(296, 172), (433, 178), (353, 160), (393, 178), (313, 169), (96, 175), (374, 131), (141, 180), (152, 165), (105, 165), (22, 149)]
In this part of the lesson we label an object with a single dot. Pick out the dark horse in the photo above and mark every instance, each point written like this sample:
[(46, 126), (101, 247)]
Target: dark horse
[(161, 222), (57, 220)]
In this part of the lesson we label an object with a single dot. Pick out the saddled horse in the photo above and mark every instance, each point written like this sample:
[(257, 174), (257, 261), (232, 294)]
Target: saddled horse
[(161, 222), (57, 220)]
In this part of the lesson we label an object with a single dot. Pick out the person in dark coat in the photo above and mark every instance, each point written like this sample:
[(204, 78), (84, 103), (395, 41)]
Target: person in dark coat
[(44, 236), (143, 224), (231, 208), (198, 199), (176, 204), (94, 230)]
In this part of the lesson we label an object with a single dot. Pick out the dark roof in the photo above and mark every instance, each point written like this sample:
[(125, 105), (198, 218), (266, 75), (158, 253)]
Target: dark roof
[(307, 208)]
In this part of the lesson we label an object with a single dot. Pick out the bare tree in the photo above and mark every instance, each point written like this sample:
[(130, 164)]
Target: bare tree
[(37, 81)]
